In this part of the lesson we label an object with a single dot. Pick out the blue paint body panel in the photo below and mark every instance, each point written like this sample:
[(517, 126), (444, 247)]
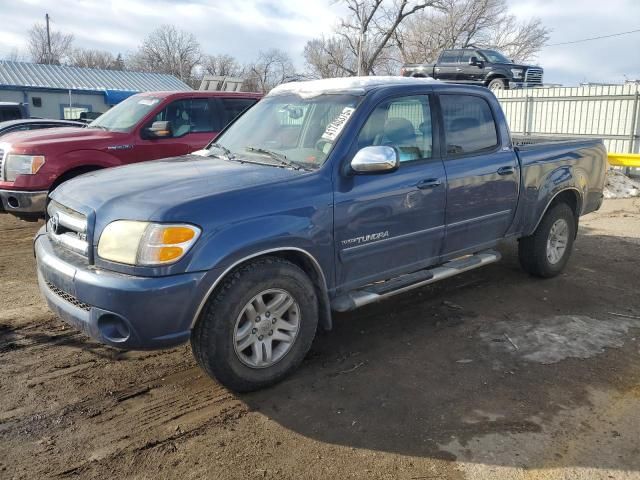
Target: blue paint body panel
[(353, 229)]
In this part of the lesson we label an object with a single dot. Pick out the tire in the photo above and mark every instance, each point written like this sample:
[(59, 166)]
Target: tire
[(214, 339), (536, 253), (497, 84)]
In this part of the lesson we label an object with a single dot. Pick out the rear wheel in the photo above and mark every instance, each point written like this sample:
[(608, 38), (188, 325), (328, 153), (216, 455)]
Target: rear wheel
[(547, 251), (258, 326)]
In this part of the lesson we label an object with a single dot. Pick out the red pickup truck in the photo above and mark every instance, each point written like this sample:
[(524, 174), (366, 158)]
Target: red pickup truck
[(147, 126)]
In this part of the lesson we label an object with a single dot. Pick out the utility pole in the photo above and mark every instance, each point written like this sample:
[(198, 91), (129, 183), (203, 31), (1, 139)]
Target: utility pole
[(49, 56), (361, 40)]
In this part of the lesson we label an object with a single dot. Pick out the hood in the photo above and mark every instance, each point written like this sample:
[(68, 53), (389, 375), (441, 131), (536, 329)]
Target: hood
[(515, 65), (146, 190), (34, 141)]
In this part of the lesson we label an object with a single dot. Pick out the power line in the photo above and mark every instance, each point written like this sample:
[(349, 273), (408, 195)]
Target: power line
[(595, 38)]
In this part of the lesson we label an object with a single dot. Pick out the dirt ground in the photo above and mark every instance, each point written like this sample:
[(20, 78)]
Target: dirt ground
[(489, 375)]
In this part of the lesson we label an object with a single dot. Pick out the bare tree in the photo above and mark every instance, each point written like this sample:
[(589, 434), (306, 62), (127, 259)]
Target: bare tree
[(329, 57), (87, 58), (461, 23), (39, 47), (222, 65), (520, 41), (370, 28), (168, 50), (271, 68)]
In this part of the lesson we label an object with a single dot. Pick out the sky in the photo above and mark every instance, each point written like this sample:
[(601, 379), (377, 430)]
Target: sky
[(242, 27)]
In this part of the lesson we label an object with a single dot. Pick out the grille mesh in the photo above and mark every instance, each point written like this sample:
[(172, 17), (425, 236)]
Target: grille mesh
[(68, 297), (1, 162), (534, 75)]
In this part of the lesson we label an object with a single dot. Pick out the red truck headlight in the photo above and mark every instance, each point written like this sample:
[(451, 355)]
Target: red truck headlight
[(22, 165)]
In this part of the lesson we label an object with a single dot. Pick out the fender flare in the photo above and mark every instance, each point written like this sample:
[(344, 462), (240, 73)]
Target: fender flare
[(579, 198), (324, 302)]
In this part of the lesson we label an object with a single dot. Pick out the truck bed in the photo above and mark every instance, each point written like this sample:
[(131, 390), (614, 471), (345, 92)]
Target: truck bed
[(551, 163)]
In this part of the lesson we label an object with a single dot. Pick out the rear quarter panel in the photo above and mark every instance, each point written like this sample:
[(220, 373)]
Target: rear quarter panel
[(550, 168)]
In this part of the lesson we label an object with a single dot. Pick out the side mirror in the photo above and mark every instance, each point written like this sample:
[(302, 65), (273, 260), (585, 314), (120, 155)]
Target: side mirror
[(159, 130), (473, 61), (376, 159)]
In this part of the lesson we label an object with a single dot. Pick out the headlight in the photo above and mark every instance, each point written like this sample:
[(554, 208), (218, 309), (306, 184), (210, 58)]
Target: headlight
[(144, 243), (517, 72), (22, 165)]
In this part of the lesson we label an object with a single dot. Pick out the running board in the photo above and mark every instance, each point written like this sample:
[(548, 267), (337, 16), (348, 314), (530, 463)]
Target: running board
[(379, 291)]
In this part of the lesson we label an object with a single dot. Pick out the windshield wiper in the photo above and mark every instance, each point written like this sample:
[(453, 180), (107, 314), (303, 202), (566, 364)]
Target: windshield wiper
[(227, 153), (98, 126), (277, 156)]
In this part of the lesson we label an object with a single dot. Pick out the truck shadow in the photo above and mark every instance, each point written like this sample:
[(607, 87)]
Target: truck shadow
[(438, 373)]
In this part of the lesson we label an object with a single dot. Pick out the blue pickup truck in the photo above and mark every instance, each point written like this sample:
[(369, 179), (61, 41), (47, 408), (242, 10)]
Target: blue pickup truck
[(325, 196)]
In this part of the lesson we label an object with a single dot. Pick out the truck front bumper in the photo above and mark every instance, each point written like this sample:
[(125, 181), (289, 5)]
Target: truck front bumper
[(124, 311), (515, 85), (19, 201)]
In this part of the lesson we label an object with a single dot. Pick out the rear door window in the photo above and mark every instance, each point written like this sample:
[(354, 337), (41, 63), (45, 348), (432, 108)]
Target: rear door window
[(468, 124), (450, 56)]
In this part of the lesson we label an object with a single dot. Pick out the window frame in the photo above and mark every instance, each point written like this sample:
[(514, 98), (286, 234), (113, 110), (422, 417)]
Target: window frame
[(436, 132), (456, 52), (150, 120), (443, 131)]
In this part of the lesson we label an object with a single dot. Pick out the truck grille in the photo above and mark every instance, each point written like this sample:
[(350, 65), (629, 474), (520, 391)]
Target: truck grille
[(67, 228), (533, 75), (67, 297), (1, 164)]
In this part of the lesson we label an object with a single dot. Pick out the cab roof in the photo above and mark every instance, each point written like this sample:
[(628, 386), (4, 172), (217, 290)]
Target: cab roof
[(352, 85)]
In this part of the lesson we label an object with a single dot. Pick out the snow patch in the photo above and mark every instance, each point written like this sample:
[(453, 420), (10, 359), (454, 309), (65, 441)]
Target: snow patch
[(552, 339), (618, 185), (354, 85)]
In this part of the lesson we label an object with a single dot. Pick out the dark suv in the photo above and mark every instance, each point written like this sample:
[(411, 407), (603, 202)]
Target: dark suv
[(477, 67)]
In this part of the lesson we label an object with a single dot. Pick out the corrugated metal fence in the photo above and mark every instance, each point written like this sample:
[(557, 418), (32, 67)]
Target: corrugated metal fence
[(610, 112)]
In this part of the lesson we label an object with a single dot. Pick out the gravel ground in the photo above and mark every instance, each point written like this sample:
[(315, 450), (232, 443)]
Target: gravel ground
[(489, 375)]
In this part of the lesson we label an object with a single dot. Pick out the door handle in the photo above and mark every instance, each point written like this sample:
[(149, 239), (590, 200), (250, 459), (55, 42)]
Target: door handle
[(429, 183), (506, 170), (458, 69)]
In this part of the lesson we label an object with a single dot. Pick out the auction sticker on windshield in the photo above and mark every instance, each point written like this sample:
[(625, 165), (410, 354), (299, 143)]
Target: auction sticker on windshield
[(335, 127)]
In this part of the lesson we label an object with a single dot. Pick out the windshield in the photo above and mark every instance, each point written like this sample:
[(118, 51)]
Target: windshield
[(126, 115), (495, 57), (288, 130)]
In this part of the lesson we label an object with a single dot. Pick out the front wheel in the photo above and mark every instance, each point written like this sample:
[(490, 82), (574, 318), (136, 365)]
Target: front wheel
[(546, 252), (496, 84), (258, 326)]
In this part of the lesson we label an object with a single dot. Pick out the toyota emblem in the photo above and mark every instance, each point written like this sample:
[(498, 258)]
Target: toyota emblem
[(55, 223)]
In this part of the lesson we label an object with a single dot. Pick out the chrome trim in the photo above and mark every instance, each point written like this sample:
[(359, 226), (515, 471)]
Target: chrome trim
[(579, 206), (28, 201), (249, 257), (481, 217), (3, 153), (373, 159), (72, 243), (363, 297), (72, 222), (404, 235), (61, 216)]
